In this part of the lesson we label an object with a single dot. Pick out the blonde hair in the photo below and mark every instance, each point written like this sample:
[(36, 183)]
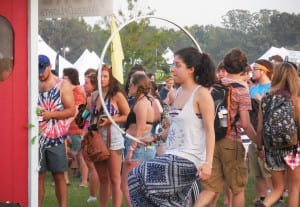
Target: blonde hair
[(285, 76)]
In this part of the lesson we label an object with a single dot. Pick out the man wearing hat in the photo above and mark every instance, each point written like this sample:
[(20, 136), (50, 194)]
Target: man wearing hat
[(56, 107)]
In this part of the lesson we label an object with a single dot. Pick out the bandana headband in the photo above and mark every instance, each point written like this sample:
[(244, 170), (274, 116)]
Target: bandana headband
[(261, 67)]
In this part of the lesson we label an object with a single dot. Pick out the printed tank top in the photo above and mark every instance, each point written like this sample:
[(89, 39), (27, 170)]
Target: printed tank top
[(52, 131), (186, 137)]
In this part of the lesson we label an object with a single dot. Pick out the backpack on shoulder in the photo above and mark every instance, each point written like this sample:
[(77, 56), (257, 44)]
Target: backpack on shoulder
[(279, 125), (221, 95), (254, 112)]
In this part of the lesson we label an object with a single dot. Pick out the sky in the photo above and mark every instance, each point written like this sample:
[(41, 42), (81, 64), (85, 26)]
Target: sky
[(191, 12)]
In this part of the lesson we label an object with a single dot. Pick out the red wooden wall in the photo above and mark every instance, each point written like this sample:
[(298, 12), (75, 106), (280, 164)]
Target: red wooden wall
[(14, 109)]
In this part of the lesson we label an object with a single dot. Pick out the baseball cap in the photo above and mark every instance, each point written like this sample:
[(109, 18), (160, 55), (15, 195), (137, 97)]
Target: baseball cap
[(44, 62)]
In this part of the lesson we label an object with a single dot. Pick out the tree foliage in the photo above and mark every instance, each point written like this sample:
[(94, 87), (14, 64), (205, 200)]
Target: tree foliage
[(143, 43)]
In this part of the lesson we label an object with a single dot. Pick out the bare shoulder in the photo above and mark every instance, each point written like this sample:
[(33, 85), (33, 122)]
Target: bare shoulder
[(66, 86), (119, 95), (144, 103), (203, 92)]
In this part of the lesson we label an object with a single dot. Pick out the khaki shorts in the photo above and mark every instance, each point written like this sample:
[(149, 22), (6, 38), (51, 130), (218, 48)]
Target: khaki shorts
[(228, 166), (257, 165)]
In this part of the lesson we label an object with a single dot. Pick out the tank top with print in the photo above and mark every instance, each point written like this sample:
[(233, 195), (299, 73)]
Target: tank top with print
[(52, 132), (187, 137)]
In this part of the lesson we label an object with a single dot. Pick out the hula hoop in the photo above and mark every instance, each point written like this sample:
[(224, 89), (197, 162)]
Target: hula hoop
[(102, 58)]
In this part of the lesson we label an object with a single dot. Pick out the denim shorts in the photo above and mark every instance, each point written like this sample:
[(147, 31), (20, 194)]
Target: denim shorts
[(140, 153), (116, 138)]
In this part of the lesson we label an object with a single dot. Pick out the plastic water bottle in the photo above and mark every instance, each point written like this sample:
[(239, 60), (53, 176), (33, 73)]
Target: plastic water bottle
[(246, 142), (223, 116)]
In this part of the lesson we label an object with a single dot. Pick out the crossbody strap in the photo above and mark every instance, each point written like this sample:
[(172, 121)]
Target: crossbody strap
[(108, 127)]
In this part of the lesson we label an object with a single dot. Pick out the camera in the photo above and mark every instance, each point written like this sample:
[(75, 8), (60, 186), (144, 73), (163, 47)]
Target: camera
[(93, 127)]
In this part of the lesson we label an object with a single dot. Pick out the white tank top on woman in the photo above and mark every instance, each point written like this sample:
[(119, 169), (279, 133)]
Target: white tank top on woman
[(187, 137)]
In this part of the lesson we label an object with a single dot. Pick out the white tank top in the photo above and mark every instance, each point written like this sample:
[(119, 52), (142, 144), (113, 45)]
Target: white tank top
[(187, 137)]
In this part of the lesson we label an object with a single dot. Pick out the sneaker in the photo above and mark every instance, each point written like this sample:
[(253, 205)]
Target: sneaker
[(91, 199)]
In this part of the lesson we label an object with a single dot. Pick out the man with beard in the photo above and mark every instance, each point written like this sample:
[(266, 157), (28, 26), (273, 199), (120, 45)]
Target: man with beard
[(56, 107)]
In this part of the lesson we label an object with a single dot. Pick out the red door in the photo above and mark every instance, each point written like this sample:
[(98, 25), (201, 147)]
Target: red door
[(14, 109)]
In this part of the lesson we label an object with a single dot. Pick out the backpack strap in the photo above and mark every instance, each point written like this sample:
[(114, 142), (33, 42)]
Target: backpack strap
[(94, 107)]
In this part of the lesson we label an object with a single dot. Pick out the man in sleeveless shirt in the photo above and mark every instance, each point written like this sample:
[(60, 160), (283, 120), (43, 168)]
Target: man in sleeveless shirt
[(56, 108)]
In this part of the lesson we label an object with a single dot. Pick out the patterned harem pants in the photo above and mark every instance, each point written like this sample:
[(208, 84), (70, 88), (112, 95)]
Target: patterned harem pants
[(162, 181)]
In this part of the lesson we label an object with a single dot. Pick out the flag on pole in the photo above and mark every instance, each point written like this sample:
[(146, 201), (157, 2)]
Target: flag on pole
[(117, 55)]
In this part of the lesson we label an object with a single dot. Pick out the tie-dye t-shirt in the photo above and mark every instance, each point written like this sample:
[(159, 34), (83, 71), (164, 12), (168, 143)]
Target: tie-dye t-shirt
[(52, 131)]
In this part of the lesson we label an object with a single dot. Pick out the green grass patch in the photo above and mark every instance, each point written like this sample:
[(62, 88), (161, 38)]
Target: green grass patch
[(77, 196)]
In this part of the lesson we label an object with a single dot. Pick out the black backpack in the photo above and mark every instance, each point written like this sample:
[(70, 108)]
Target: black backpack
[(254, 112), (279, 125), (221, 95)]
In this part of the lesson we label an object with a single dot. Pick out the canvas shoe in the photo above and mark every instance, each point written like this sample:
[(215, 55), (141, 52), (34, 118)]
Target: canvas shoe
[(91, 199)]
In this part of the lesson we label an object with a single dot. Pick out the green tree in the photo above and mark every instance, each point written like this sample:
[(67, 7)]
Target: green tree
[(285, 29), (240, 20), (61, 33), (143, 43)]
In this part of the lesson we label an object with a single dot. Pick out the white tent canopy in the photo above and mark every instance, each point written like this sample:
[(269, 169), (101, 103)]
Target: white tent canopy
[(168, 55), (85, 61), (293, 55), (45, 49)]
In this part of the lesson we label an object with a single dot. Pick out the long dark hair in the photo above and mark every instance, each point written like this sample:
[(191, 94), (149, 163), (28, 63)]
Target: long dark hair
[(114, 84), (205, 69)]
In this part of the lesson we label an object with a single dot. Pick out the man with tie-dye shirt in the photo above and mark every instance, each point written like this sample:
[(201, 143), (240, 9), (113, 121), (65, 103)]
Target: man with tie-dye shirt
[(56, 107)]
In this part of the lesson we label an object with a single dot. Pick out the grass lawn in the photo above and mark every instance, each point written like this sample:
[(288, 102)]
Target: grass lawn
[(77, 196)]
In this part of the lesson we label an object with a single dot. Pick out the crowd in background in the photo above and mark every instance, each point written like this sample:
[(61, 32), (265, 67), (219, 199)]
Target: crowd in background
[(175, 121)]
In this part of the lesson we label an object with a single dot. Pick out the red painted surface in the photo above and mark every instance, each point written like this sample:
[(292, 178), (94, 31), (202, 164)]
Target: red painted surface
[(14, 110)]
